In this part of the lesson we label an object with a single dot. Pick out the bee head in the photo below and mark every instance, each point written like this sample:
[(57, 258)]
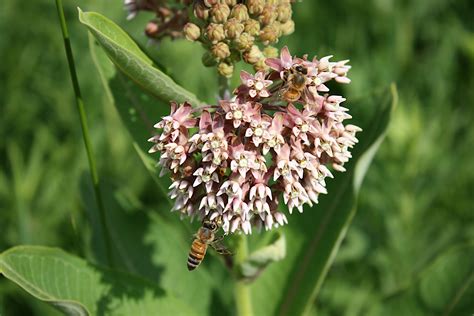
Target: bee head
[(209, 225), (301, 69), (298, 80)]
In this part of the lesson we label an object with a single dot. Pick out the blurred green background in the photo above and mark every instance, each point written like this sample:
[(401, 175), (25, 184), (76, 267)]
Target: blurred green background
[(416, 206)]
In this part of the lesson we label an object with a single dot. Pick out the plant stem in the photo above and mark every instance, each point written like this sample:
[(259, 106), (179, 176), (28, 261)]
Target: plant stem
[(242, 293), (85, 132), (223, 84)]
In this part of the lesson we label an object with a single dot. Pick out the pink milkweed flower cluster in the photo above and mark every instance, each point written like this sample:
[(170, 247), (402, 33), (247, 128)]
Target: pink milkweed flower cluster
[(239, 159)]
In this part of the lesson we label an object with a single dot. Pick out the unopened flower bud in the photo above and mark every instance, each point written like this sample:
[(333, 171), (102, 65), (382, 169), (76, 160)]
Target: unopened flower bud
[(230, 2), (192, 31), (269, 34), (215, 32), (244, 41), (269, 15), (253, 55), (260, 65), (220, 50), (151, 29), (210, 3), (284, 12), (201, 12), (240, 12), (208, 59), (252, 27), (220, 13), (287, 28), (233, 28), (255, 7), (225, 69), (270, 52)]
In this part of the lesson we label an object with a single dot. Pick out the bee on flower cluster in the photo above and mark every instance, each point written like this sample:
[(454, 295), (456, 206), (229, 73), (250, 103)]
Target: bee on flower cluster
[(276, 140), (295, 79), (205, 237)]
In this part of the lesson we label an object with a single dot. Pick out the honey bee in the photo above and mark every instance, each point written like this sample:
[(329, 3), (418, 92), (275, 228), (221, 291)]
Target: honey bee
[(205, 237), (295, 79)]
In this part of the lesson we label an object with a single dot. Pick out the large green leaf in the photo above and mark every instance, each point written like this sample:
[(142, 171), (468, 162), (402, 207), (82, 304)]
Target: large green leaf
[(137, 109), (80, 288), (289, 287), (154, 244), (128, 57), (260, 259)]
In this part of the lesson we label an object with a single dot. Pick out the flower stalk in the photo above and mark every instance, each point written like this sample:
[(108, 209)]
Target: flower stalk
[(85, 132), (242, 294), (223, 85)]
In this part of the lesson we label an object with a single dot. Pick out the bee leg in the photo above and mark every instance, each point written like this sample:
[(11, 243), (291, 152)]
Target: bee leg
[(220, 248), (218, 239), (224, 252)]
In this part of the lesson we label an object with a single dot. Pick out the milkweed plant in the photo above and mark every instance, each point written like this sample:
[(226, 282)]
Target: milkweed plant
[(239, 166)]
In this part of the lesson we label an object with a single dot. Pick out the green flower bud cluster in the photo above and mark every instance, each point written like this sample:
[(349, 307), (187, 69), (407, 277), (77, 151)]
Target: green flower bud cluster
[(232, 30)]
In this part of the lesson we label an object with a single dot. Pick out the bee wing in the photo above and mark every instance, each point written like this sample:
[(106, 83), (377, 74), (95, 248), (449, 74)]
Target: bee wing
[(220, 248)]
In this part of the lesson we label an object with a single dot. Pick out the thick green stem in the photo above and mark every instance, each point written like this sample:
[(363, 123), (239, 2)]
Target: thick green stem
[(223, 84), (243, 298), (85, 132)]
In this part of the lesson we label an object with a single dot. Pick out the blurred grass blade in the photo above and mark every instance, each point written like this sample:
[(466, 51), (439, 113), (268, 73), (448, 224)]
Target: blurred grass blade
[(128, 57), (85, 131), (314, 237), (446, 287), (79, 288)]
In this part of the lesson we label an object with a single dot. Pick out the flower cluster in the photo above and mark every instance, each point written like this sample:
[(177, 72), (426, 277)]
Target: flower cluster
[(231, 30), (171, 16), (276, 140)]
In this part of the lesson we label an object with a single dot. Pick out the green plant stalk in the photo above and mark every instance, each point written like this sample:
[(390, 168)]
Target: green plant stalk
[(243, 299), (85, 132), (223, 85)]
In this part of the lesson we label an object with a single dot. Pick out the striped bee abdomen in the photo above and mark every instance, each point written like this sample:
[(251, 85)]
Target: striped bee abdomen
[(196, 254)]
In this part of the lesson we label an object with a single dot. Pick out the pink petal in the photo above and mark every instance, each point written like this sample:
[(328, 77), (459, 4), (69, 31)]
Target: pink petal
[(286, 58), (245, 76), (205, 120), (322, 87), (293, 110), (343, 80), (264, 94), (274, 63), (248, 132), (173, 105), (218, 123), (268, 222), (189, 123)]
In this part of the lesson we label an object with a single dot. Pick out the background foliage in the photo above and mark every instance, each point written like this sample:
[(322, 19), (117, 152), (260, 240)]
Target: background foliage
[(409, 250)]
